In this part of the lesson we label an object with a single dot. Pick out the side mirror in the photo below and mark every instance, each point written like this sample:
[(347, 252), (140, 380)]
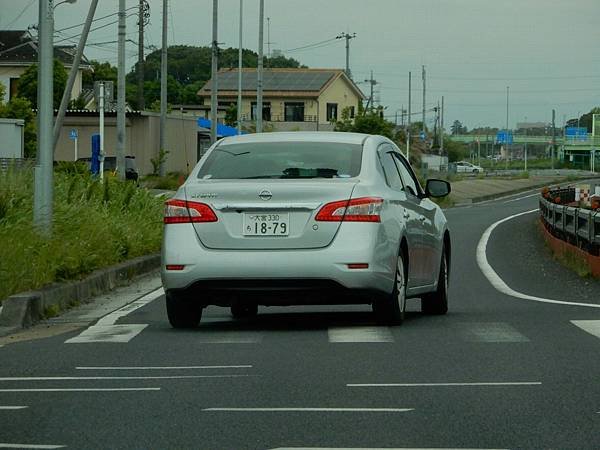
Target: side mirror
[(437, 188)]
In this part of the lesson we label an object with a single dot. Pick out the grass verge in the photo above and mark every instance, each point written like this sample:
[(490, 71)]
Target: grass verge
[(94, 225)]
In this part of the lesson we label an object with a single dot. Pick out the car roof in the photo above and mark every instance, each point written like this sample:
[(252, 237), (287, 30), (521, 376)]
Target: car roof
[(294, 136)]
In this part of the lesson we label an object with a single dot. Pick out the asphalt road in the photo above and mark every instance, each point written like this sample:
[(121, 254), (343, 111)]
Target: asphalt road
[(497, 372)]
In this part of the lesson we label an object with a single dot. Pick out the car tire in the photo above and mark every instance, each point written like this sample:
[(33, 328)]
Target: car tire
[(475, 170), (436, 303), (242, 311), (389, 308), (182, 312)]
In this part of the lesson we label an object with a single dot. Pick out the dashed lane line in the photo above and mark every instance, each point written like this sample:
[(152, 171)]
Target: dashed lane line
[(32, 446), (81, 389), (244, 366), (166, 377), (359, 334), (495, 279), (472, 384), (10, 408), (386, 410)]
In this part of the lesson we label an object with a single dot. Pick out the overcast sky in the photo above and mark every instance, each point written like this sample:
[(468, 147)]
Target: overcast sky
[(546, 51)]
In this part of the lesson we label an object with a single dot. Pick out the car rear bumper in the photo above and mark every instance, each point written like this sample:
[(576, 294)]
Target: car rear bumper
[(306, 276)]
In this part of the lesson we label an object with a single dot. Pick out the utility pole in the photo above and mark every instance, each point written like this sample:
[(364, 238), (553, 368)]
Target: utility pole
[(140, 65), (121, 94), (442, 128), (214, 89), (43, 193), (259, 74), (372, 82), (525, 144), (268, 37), (163, 91), (507, 137), (553, 137), (239, 99), (423, 76), (408, 117), (101, 126), (347, 37)]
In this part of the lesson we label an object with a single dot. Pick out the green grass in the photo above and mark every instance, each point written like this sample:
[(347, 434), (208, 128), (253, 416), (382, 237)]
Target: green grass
[(94, 225), (169, 182)]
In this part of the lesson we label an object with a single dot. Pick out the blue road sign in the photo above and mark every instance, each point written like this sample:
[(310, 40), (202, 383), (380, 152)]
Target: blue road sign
[(504, 137), (73, 134), (576, 133)]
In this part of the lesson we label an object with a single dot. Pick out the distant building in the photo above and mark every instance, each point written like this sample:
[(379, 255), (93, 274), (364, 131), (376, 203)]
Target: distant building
[(293, 99), (18, 51), (531, 125)]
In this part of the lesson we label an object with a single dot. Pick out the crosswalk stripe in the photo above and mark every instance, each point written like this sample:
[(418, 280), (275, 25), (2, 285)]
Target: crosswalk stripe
[(498, 332), (360, 334), (590, 326)]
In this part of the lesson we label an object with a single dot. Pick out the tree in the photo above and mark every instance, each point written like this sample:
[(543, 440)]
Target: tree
[(100, 71), (458, 128), (28, 86), (231, 115), (368, 122)]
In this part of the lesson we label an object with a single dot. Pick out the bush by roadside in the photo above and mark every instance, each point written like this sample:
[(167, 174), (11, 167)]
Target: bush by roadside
[(94, 225)]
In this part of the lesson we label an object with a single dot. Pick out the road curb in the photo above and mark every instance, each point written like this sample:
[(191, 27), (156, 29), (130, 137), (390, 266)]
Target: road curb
[(485, 198), (26, 308)]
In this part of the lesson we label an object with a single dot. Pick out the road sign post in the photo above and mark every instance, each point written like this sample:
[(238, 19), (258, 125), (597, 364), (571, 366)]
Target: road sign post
[(74, 136)]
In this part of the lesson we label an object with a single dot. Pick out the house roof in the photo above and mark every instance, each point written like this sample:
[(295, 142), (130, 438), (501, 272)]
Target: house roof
[(19, 47), (280, 82)]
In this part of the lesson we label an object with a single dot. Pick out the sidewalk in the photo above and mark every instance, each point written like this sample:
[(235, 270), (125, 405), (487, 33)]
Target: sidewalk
[(477, 190)]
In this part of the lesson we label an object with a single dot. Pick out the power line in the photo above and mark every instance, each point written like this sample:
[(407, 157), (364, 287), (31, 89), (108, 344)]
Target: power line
[(20, 14), (310, 46)]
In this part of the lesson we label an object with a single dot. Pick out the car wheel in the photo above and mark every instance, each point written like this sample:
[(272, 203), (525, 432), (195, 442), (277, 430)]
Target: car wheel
[(182, 312), (389, 308), (475, 170), (436, 303), (241, 311)]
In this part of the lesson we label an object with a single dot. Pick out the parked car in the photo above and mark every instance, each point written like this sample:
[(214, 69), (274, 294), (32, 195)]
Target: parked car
[(464, 166), (304, 218)]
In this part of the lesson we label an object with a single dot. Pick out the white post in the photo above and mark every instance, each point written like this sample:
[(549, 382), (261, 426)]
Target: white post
[(101, 101), (76, 150), (239, 99), (259, 70)]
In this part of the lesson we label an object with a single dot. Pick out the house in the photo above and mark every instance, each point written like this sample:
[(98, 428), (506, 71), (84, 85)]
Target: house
[(18, 51), (293, 99)]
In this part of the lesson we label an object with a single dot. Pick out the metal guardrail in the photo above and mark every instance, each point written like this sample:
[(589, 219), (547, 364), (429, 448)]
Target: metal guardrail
[(577, 226)]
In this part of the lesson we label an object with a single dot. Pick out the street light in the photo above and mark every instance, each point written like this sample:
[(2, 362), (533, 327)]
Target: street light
[(43, 178)]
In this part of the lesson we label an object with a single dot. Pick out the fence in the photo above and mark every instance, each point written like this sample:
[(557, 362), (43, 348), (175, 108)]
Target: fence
[(577, 226), (19, 163)]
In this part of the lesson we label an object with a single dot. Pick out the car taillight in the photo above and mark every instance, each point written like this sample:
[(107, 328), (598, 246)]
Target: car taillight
[(181, 211), (364, 209)]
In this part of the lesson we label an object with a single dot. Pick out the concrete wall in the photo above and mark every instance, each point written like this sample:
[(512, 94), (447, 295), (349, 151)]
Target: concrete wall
[(142, 139)]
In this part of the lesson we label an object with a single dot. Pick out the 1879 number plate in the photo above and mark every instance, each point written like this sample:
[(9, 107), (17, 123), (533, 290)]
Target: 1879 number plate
[(262, 224)]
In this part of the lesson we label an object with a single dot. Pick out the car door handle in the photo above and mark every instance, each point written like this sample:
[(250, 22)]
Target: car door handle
[(406, 215), (422, 218)]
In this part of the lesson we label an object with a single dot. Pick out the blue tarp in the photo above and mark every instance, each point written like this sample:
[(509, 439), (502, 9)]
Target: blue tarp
[(222, 130)]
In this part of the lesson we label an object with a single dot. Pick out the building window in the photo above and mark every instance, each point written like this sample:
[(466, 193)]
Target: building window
[(332, 111), (352, 112), (266, 111), (294, 111), (14, 87)]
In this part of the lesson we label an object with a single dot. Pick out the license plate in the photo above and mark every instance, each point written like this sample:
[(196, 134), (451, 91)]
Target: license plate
[(263, 224)]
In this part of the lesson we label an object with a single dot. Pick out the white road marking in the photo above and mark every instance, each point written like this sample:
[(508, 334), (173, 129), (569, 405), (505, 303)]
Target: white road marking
[(81, 389), (108, 333), (378, 448), (4, 408), (166, 377), (360, 334), (485, 383), (521, 198), (497, 282), (111, 319), (105, 329), (30, 446), (491, 332), (163, 367), (591, 326), (311, 409)]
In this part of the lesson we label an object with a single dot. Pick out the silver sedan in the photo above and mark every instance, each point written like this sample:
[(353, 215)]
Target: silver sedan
[(304, 218)]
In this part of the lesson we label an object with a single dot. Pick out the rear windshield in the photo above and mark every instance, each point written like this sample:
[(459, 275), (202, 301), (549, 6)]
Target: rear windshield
[(283, 160)]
